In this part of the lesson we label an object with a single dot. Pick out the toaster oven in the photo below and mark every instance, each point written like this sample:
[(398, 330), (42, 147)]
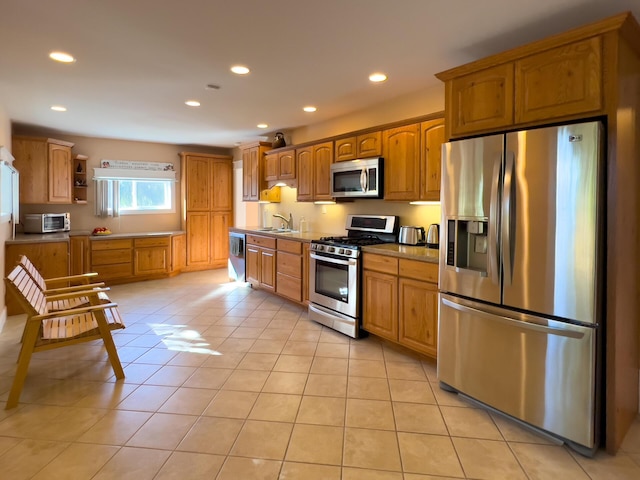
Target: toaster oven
[(46, 222)]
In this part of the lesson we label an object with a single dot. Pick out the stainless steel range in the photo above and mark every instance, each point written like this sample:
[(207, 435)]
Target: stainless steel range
[(335, 271)]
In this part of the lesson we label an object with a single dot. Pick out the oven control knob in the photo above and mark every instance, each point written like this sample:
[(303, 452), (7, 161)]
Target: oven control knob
[(341, 251), (330, 249)]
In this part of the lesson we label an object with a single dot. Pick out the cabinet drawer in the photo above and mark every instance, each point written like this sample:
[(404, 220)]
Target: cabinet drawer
[(289, 287), (110, 257), (110, 244), (267, 242), (419, 270), (380, 263), (106, 272), (290, 246), (289, 264), (152, 242)]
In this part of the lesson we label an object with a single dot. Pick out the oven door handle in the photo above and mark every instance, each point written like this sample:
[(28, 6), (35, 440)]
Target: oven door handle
[(334, 260)]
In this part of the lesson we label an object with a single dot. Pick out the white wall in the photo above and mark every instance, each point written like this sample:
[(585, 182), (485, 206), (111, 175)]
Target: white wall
[(5, 229)]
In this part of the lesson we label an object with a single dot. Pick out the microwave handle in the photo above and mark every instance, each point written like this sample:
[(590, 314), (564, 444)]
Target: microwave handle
[(363, 180)]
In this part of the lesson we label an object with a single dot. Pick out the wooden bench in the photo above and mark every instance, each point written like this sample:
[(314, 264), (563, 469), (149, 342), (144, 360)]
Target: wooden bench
[(47, 329), (74, 283)]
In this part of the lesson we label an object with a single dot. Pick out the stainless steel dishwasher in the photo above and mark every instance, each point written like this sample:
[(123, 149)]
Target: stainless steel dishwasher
[(236, 256)]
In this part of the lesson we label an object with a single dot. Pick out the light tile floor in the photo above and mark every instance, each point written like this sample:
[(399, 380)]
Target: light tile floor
[(231, 383)]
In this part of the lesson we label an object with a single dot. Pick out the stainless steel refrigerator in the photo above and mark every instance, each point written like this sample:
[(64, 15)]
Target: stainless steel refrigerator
[(521, 269)]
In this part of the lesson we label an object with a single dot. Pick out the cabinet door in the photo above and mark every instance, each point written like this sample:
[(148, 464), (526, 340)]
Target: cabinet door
[(322, 160), (559, 82), (268, 269), (287, 165), (252, 264), (432, 138), (78, 254), (150, 260), (178, 252), (198, 238), (305, 272), (32, 163), (380, 304), (220, 238), (59, 172), (51, 259), (247, 173), (369, 145), (481, 100), (305, 174), (418, 315), (198, 180), (345, 149), (222, 183), (402, 163), (254, 169), (271, 167)]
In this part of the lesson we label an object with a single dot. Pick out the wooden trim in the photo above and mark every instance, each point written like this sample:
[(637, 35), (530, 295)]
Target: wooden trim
[(44, 139)]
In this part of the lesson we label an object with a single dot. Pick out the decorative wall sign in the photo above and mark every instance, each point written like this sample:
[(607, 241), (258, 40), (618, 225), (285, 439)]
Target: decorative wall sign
[(132, 165)]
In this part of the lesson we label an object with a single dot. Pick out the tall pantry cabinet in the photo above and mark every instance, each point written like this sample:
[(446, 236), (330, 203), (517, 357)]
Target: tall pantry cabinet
[(207, 186)]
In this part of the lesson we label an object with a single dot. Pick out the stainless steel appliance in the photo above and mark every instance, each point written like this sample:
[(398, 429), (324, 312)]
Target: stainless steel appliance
[(236, 263), (335, 271), (433, 236), (358, 178), (47, 222), (521, 270), (411, 236)]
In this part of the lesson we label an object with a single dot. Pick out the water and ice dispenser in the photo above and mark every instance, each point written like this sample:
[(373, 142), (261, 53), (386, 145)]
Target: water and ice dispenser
[(467, 245)]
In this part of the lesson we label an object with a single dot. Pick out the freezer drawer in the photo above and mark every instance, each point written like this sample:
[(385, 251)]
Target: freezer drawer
[(537, 370)]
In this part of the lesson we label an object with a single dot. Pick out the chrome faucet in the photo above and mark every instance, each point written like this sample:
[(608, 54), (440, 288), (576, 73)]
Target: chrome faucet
[(289, 222)]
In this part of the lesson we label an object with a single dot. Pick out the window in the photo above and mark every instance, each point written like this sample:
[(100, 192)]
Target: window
[(130, 191), (143, 196)]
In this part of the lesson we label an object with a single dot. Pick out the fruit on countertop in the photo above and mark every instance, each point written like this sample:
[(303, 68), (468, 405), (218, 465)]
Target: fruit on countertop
[(101, 231)]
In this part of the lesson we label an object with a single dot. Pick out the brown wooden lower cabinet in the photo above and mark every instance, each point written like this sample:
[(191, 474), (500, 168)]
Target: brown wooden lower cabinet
[(151, 255), (289, 269), (50, 258), (79, 254), (400, 301), (260, 261)]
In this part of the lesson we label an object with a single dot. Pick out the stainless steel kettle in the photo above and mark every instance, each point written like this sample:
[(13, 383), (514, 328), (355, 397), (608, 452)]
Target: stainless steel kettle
[(433, 236), (411, 236)]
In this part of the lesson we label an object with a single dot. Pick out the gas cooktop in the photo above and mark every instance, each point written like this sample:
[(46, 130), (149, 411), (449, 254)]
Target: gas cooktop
[(351, 241)]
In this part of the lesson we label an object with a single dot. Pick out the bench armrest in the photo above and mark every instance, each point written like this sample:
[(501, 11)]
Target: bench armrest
[(84, 277)]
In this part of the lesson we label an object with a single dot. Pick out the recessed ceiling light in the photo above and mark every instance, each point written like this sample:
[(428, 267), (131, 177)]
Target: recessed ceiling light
[(262, 125), (61, 57), (240, 69), (192, 103), (309, 109), (377, 77), (58, 108)]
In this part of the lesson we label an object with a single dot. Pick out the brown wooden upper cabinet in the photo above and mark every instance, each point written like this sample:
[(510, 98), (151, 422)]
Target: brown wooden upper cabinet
[(253, 166), (412, 157), (560, 83), (45, 167), (314, 172), (358, 146), (280, 166)]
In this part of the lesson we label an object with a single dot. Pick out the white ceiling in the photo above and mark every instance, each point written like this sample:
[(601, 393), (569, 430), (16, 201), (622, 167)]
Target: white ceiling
[(138, 61)]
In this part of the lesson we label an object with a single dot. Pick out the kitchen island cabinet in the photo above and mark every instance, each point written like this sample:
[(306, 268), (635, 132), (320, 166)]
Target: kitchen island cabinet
[(45, 167), (400, 299)]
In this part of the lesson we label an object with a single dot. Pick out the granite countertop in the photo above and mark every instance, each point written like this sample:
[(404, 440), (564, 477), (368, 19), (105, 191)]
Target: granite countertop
[(424, 254), (294, 235), (64, 236)]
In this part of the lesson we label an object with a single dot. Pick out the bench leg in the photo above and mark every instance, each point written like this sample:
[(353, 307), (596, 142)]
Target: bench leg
[(109, 344), (30, 336)]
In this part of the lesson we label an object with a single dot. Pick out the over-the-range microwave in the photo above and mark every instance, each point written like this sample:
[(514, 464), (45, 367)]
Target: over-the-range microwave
[(47, 222), (361, 178)]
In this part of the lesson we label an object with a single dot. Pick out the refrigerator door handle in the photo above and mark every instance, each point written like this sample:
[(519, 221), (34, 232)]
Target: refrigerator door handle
[(494, 225), (507, 218), (513, 322)]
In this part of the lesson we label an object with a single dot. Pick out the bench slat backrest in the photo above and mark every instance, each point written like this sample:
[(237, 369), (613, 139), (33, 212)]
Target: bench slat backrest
[(28, 292)]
